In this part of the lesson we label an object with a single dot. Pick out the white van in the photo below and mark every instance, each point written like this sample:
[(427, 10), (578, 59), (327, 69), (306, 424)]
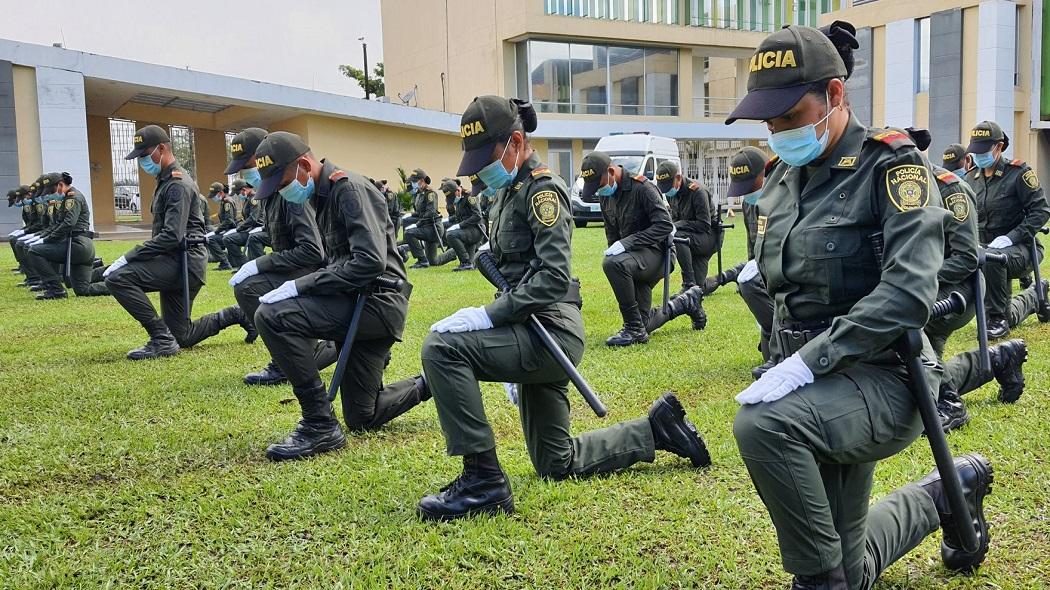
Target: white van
[(638, 153)]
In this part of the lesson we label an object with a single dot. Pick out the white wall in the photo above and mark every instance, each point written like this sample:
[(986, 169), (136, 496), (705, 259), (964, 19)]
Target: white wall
[(900, 73), (63, 126), (996, 45)]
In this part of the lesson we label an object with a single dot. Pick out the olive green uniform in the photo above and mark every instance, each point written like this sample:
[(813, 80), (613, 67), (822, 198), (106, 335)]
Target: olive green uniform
[(692, 217), (530, 219), (251, 214), (258, 242), (812, 454), (72, 230), (32, 213), (754, 292), (156, 264), (42, 209), (359, 245), (227, 221), (463, 241), (423, 239), (1010, 203), (393, 208)]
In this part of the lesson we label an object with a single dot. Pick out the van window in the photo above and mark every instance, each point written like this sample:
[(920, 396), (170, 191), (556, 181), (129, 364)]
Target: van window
[(650, 168)]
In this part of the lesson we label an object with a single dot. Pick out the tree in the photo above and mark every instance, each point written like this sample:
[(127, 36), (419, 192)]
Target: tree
[(375, 81)]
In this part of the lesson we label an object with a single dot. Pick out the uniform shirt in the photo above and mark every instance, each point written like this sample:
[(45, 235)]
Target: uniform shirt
[(359, 244), (750, 213), (960, 230), (293, 235), (636, 215), (176, 217), (532, 219), (468, 213), (1010, 202), (393, 204), (424, 205), (251, 213), (205, 213), (450, 208), (691, 208), (816, 249), (72, 217), (27, 214), (227, 214)]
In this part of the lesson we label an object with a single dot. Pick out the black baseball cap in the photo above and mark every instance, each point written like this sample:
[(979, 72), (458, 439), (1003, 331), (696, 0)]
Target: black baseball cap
[(276, 151), (921, 137), (744, 167), (985, 135), (665, 174), (476, 185), (486, 122), (448, 187), (240, 184), (953, 156), (216, 188), (419, 174), (146, 139), (782, 70), (591, 171), (242, 148), (50, 180)]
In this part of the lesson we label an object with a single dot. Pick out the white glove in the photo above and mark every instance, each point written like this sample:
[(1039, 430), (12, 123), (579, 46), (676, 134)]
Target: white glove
[(256, 230), (17, 233), (454, 227), (116, 264), (747, 273), (248, 269), (26, 237), (777, 382), (484, 247), (616, 248), (512, 392), (210, 234), (467, 319), (406, 216), (228, 232), (34, 241), (287, 290), (413, 226), (1001, 242)]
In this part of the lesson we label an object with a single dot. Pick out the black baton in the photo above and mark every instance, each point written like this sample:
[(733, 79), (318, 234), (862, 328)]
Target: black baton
[(1040, 293), (187, 243), (984, 357), (910, 349), (351, 331), (490, 270)]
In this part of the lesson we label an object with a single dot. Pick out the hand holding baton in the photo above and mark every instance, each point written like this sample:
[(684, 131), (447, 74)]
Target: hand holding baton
[(490, 270), (351, 331)]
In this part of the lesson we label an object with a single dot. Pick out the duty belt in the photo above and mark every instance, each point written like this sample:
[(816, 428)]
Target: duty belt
[(792, 338)]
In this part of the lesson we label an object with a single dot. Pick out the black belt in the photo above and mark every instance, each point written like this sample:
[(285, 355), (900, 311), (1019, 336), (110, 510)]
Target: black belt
[(793, 336)]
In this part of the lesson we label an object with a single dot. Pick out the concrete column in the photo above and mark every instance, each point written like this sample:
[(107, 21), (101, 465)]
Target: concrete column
[(63, 125), (900, 68), (946, 57), (996, 44), (10, 218), (860, 82), (100, 149)]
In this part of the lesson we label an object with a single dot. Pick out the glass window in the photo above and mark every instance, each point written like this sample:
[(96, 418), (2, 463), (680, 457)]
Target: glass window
[(589, 79), (626, 68), (549, 76), (661, 81), (922, 55)]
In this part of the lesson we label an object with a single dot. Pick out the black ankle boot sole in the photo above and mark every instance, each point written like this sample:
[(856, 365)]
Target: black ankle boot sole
[(505, 506), (958, 560), (324, 445), (697, 453)]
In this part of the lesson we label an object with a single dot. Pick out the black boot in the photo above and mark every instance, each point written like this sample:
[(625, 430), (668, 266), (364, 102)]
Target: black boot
[(96, 263), (676, 434), (633, 331), (1007, 359), (318, 431), (975, 472), (722, 279), (403, 250), (998, 328), (271, 374), (1043, 311), (56, 291), (161, 343), (1025, 280), (235, 315), (482, 488), (223, 265), (952, 410), (37, 287), (28, 283), (463, 266), (768, 363), (423, 388), (421, 264), (833, 580), (691, 302)]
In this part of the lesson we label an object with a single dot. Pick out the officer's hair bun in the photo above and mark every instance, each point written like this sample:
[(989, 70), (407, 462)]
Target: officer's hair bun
[(66, 178), (527, 114)]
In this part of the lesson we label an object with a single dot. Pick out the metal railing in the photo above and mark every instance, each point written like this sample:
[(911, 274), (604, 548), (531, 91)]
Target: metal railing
[(714, 107)]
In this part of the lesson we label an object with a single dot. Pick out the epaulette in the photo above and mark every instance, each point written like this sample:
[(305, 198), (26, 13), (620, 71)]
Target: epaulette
[(948, 177), (641, 178), (176, 173), (337, 176), (771, 164), (1017, 163), (541, 171), (893, 138), (694, 185)]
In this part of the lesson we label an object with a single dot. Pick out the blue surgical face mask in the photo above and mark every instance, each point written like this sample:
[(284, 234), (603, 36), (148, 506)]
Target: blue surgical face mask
[(800, 146), (671, 192), (985, 160), (148, 165), (752, 197), (217, 198), (959, 171), (488, 192), (242, 196), (252, 176), (495, 176), (298, 193), (413, 187), (606, 191)]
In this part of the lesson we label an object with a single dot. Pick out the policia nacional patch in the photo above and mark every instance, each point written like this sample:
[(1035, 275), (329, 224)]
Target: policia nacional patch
[(1031, 180), (959, 205), (908, 186), (546, 207)]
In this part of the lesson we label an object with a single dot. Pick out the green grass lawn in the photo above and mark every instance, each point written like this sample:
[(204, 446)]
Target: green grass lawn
[(153, 474)]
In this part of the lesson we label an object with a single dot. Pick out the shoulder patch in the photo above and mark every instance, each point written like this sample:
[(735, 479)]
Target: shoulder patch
[(517, 187), (71, 193), (69, 203), (337, 175), (761, 225), (472, 200), (641, 178), (255, 201), (430, 197), (1030, 179), (959, 205), (694, 185), (546, 206), (893, 138), (541, 171), (176, 173), (772, 163), (39, 207), (948, 177), (908, 186), (1017, 163)]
